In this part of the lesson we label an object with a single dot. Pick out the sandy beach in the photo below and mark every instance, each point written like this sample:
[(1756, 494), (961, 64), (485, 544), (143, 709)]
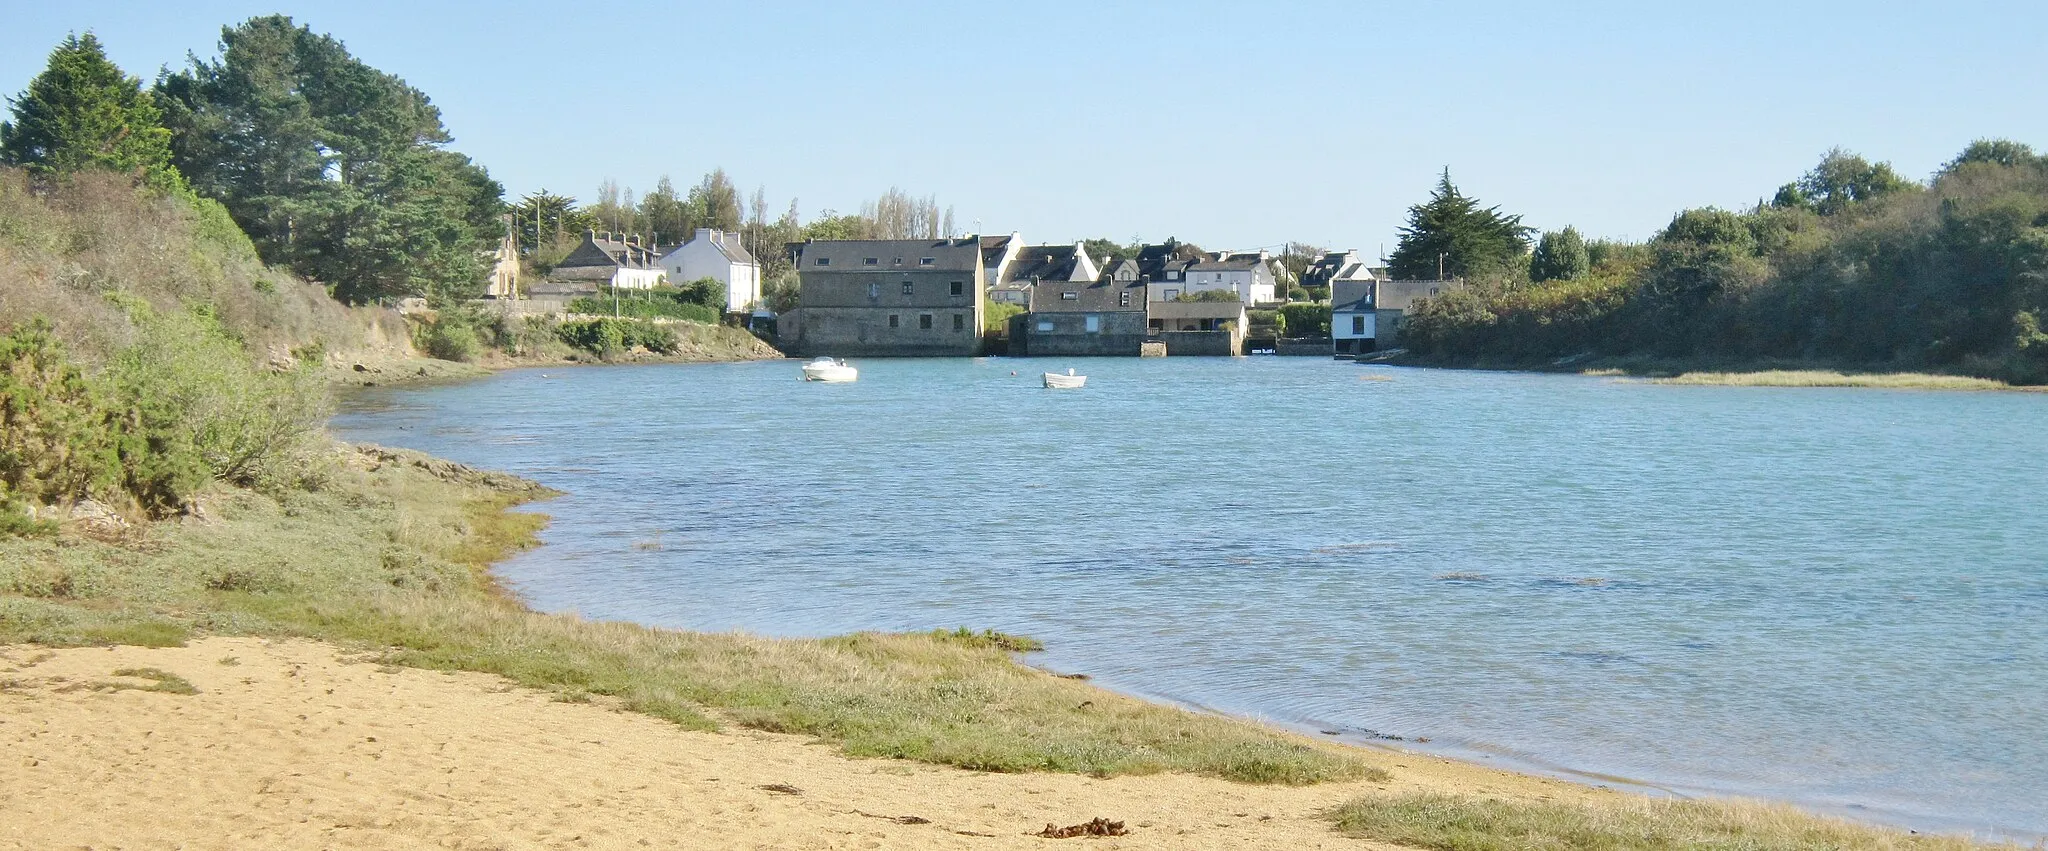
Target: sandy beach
[(295, 744)]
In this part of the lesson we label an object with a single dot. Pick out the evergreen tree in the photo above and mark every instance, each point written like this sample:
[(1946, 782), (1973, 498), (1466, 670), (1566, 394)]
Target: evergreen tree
[(1451, 229), (1560, 256), (83, 113), (334, 168)]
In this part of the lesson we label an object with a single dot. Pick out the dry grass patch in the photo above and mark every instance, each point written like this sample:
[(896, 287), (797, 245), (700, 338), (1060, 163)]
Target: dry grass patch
[(1824, 378), (1623, 823)]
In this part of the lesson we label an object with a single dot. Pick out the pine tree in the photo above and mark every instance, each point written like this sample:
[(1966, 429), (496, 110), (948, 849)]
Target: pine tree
[(83, 113), (1453, 234), (1560, 256)]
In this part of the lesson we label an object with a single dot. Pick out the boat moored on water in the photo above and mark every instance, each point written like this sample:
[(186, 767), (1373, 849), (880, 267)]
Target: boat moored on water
[(829, 370), (1065, 382)]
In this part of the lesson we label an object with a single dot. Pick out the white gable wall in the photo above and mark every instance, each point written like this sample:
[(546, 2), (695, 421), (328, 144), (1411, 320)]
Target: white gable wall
[(702, 258)]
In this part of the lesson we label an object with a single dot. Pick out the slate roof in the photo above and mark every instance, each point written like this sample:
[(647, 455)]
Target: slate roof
[(1232, 310), (607, 253), (1326, 268), (994, 247), (1098, 296), (1351, 296), (890, 255), (1401, 295), (1154, 261), (1228, 263), (1046, 263), (730, 245)]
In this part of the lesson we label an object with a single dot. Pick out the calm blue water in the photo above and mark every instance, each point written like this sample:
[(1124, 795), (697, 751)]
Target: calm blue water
[(1832, 597)]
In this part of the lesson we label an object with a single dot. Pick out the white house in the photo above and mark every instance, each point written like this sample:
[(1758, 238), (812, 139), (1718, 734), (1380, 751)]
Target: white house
[(1033, 263), (612, 260), (1353, 321), (718, 255), (1249, 274)]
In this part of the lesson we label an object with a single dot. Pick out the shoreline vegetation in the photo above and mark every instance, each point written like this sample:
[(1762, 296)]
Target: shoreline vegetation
[(1708, 372)]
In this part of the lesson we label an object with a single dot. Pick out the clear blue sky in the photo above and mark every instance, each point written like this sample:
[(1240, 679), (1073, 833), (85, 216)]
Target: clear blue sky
[(1230, 125)]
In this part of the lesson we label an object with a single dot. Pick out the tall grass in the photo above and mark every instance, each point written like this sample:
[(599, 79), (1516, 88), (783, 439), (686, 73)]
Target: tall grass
[(1622, 823)]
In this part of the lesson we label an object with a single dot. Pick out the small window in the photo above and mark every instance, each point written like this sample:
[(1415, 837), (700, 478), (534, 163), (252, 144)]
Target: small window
[(822, 261), (896, 261), (959, 288), (874, 291), (1045, 325), (1358, 324), (1123, 299), (1094, 323), (906, 288), (895, 320), (1173, 276), (1172, 294), (927, 261), (1070, 296), (924, 321), (959, 322), (870, 261)]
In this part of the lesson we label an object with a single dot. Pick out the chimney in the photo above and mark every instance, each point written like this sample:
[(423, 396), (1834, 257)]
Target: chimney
[(708, 235), (590, 234)]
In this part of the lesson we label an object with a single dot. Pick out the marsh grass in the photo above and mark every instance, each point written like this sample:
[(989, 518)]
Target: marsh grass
[(1826, 378), (159, 681), (1623, 823), (391, 554)]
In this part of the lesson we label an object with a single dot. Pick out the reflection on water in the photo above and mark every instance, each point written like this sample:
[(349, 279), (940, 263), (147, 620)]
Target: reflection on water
[(1833, 597)]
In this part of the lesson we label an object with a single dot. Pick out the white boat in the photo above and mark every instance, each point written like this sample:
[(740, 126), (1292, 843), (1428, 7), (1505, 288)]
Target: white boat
[(1065, 382), (832, 370)]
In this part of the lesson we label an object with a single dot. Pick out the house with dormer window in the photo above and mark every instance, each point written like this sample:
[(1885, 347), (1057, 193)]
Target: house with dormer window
[(886, 297)]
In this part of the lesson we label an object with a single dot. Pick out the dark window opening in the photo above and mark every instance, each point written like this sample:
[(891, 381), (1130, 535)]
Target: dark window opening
[(959, 322), (894, 320), (906, 288), (959, 288), (924, 321)]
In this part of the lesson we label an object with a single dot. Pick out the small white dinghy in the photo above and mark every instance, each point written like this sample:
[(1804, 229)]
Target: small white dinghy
[(831, 370), (1065, 382)]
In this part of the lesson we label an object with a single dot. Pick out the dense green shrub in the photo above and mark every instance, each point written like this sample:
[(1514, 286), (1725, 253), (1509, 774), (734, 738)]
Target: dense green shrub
[(1306, 319), (189, 391), (55, 440), (609, 336), (657, 303), (449, 339)]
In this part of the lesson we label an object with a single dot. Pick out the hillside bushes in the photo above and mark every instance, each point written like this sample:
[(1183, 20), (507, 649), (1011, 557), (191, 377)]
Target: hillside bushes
[(609, 336), (178, 409), (1949, 276)]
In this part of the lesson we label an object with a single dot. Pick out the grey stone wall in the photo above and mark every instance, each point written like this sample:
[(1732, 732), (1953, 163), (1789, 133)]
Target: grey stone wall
[(866, 332), (1303, 346), (1120, 334), (1214, 343)]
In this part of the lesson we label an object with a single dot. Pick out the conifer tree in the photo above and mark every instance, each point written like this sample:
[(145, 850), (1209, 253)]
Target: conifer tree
[(1453, 233), (83, 113)]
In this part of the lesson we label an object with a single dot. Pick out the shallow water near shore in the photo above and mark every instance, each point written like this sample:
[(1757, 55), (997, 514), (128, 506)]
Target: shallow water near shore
[(1834, 597)]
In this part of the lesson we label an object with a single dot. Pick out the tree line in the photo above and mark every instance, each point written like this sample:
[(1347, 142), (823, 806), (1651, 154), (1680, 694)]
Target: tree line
[(343, 173), (1850, 264)]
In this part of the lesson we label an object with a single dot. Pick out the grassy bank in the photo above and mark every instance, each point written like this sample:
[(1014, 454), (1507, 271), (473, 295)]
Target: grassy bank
[(391, 552), (1624, 823)]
